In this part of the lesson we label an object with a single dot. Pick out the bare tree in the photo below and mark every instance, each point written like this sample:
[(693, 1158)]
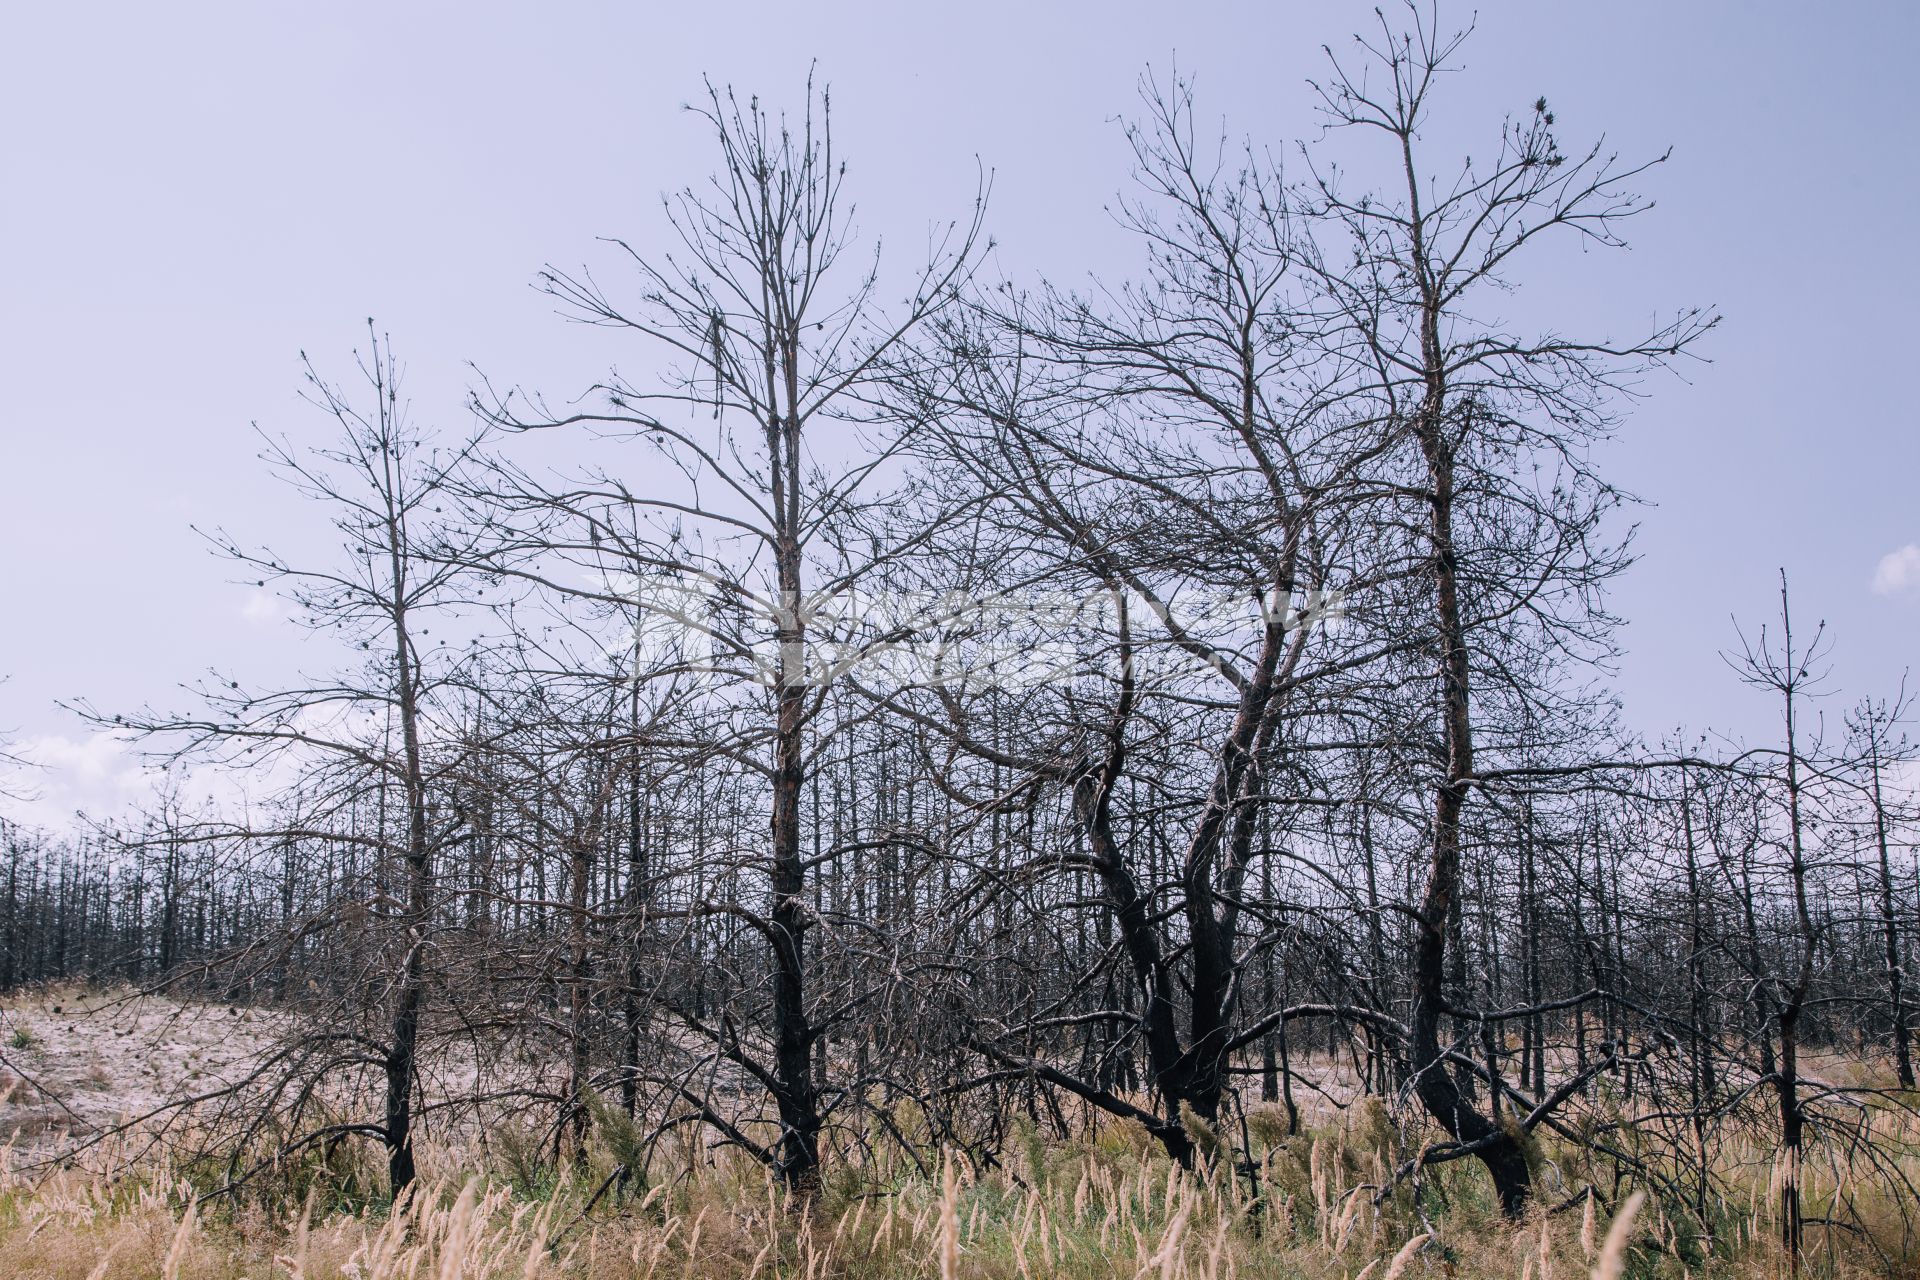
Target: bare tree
[(1790, 672), (776, 339), (1160, 448), (1873, 750), (384, 486), (1509, 560)]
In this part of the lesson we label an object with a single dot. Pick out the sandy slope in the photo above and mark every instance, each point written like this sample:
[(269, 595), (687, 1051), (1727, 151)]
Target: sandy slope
[(73, 1062)]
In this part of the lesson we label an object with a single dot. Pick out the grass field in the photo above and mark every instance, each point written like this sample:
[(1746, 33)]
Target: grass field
[(1101, 1203)]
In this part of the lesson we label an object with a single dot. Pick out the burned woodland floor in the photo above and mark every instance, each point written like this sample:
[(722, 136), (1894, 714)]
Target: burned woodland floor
[(99, 1182), (76, 1063)]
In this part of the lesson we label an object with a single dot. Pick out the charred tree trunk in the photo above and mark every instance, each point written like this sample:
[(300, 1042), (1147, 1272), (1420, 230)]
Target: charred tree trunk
[(1433, 1082)]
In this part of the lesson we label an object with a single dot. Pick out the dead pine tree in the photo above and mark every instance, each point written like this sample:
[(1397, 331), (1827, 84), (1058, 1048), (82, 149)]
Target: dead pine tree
[(386, 490), (1506, 565), (764, 452), (1873, 749), (1789, 669)]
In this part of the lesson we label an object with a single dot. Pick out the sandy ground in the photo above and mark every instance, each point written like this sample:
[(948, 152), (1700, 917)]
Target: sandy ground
[(74, 1062)]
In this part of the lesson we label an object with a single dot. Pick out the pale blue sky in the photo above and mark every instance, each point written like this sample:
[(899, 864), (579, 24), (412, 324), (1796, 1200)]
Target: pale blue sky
[(195, 193)]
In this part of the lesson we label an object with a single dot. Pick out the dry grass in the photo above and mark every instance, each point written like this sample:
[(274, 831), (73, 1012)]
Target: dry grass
[(1102, 1204), (1105, 1207)]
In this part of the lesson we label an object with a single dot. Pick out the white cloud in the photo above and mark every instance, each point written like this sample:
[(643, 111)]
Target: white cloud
[(95, 773), (1898, 571), (262, 608), (104, 775)]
